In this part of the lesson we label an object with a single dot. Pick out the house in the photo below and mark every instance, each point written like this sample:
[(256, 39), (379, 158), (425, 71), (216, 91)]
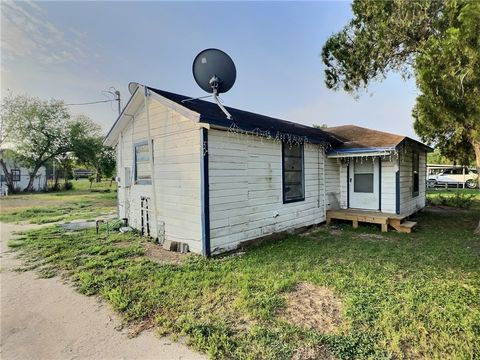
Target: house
[(21, 176), (188, 174)]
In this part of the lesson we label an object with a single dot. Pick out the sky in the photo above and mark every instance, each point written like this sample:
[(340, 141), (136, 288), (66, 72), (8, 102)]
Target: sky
[(77, 51)]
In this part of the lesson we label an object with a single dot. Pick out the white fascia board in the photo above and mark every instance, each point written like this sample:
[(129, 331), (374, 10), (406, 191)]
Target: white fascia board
[(358, 154)]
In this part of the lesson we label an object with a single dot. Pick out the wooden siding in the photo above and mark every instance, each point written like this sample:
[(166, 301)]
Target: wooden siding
[(332, 183), (246, 189), (389, 167), (177, 154), (409, 203)]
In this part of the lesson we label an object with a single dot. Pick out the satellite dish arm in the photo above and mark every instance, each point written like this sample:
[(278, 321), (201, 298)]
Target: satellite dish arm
[(215, 97)]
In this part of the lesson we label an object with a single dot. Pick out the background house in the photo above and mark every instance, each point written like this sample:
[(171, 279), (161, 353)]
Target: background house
[(21, 176), (188, 174)]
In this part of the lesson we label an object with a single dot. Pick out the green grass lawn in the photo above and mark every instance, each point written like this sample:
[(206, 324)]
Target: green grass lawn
[(79, 203), (404, 296)]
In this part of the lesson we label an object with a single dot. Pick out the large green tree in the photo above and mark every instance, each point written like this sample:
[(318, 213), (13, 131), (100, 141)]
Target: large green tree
[(435, 41)]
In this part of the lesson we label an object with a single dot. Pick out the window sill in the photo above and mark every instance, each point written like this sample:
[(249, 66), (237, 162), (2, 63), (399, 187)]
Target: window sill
[(293, 200)]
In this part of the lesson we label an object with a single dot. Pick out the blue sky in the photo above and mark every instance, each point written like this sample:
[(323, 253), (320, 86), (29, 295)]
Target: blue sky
[(76, 50)]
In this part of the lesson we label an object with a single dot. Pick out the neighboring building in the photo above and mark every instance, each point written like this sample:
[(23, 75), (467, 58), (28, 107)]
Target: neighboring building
[(214, 183), (21, 177)]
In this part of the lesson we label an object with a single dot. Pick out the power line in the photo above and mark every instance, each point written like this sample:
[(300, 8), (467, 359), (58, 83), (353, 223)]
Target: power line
[(93, 102)]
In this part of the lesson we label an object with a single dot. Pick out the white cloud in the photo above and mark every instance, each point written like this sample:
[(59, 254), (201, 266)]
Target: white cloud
[(26, 32)]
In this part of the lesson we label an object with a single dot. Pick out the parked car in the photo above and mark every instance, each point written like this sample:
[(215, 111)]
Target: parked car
[(455, 176)]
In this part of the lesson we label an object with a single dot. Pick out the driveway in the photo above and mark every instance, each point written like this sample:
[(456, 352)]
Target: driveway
[(46, 319)]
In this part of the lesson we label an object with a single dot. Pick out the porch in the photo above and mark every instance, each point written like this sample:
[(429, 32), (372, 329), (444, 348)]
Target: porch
[(398, 222)]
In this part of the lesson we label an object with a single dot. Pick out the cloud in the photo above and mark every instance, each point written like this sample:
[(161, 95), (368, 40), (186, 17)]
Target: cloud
[(27, 33)]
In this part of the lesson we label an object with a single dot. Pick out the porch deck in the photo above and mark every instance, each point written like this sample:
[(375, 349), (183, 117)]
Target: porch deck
[(374, 217)]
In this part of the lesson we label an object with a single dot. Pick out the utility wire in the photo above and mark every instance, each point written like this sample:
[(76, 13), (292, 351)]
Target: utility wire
[(93, 102)]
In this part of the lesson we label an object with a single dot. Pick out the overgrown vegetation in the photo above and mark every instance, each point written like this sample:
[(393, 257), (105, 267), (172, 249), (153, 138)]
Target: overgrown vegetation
[(404, 296), (459, 199)]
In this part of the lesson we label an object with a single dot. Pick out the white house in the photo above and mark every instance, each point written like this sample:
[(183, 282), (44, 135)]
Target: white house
[(21, 177), (188, 174)]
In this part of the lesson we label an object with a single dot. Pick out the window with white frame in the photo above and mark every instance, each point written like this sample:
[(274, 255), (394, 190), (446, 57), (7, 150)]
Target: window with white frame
[(16, 174), (142, 164)]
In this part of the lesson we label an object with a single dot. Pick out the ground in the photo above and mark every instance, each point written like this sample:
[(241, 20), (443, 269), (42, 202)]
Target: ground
[(386, 295)]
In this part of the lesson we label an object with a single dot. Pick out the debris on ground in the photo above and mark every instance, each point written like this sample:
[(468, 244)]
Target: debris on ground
[(158, 254), (313, 307), (78, 225)]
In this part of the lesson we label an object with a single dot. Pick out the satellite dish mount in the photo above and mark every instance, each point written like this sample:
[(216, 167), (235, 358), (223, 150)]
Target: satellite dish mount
[(214, 71)]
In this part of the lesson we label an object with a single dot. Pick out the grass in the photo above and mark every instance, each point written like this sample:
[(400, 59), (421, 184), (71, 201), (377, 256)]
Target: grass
[(405, 296), (40, 208)]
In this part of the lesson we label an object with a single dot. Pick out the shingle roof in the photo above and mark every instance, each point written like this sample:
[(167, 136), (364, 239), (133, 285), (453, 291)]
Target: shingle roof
[(356, 137), (212, 114)]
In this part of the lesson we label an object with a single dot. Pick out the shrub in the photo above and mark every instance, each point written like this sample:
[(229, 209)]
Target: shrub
[(458, 200), (68, 185)]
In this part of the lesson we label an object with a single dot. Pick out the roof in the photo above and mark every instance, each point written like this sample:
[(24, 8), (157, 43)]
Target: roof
[(212, 114), (357, 137)]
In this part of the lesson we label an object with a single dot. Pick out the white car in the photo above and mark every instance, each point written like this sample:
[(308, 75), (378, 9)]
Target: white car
[(455, 176)]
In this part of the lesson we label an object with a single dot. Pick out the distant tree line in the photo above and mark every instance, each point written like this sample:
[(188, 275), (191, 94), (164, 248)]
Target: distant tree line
[(41, 132)]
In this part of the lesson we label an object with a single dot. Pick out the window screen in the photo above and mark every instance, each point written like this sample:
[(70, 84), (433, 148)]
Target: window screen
[(415, 173), (15, 174), (363, 177), (293, 177), (142, 164)]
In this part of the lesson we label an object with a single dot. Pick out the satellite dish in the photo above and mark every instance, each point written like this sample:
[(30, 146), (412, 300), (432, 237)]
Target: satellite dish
[(132, 87), (214, 71)]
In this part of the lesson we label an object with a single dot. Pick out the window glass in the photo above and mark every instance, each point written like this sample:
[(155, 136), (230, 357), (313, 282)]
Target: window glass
[(142, 164), (363, 176), (415, 173), (293, 176), (16, 174)]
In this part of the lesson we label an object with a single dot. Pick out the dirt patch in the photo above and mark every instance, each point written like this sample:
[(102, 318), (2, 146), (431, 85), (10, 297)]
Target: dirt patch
[(158, 254), (374, 237), (313, 307), (312, 352)]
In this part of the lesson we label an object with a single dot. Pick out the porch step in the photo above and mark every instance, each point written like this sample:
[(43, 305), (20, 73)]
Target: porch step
[(407, 226)]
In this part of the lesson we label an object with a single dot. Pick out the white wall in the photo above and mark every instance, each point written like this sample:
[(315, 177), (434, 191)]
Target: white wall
[(245, 189), (39, 183), (389, 168), (409, 203), (177, 155), (332, 183)]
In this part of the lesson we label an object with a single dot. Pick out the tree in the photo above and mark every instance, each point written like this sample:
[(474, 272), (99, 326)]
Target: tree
[(87, 145), (37, 129), (437, 42)]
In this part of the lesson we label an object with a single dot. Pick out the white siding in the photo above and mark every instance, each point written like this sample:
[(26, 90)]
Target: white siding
[(39, 183), (389, 168), (332, 183), (177, 155), (409, 203), (343, 185), (245, 188)]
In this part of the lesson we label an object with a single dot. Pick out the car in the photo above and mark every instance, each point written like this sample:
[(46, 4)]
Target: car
[(455, 176)]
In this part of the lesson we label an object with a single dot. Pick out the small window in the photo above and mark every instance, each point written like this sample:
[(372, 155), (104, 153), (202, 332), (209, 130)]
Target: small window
[(293, 176), (15, 174), (415, 174), (363, 177), (142, 164)]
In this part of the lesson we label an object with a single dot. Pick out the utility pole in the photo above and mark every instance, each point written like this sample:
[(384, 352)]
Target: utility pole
[(117, 98)]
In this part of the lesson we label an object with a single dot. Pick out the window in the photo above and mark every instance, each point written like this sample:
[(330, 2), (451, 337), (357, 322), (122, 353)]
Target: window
[(292, 173), (142, 164), (415, 173), (15, 174), (363, 177)]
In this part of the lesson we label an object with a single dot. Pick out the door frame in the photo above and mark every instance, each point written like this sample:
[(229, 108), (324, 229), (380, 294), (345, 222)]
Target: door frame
[(377, 187)]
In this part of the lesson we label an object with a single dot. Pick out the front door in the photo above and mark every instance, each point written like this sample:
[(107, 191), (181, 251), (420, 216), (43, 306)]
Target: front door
[(363, 184)]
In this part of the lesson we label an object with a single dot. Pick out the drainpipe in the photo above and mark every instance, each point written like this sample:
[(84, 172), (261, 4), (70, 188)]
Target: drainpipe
[(150, 148)]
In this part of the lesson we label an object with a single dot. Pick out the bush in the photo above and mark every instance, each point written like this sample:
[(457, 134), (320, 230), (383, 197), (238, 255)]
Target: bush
[(68, 185), (458, 200)]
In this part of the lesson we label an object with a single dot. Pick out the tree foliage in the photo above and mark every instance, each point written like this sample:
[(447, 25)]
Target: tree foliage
[(436, 41), (40, 131)]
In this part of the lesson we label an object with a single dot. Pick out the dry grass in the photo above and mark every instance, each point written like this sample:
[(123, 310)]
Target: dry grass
[(313, 307)]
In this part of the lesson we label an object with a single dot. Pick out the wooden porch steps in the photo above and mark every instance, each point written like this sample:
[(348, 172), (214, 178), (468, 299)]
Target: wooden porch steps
[(398, 222)]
